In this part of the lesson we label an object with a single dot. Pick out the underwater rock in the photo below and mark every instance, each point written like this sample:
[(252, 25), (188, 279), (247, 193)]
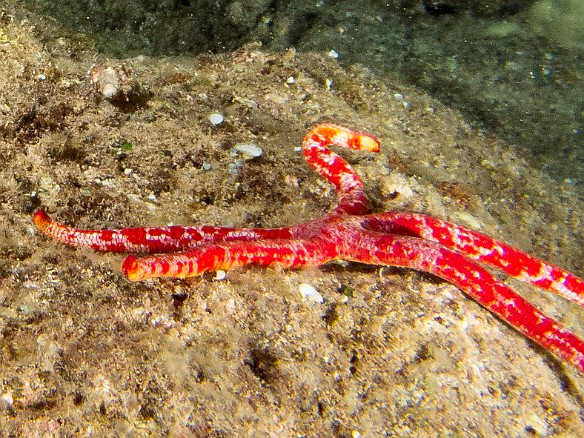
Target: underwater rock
[(560, 21)]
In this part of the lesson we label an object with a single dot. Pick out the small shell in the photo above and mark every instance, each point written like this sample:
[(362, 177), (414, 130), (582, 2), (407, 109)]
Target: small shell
[(216, 119), (105, 80), (248, 150), (333, 54), (309, 293), (113, 83)]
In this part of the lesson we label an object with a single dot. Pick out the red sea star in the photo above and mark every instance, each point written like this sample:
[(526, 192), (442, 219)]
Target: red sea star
[(401, 239)]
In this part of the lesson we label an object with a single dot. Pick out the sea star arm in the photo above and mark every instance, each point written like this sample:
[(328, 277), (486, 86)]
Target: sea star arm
[(282, 253), (151, 240), (352, 197), (373, 248), (483, 248), (475, 281), (352, 200)]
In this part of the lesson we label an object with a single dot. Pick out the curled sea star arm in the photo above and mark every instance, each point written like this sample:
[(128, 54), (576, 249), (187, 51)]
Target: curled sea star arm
[(150, 240), (228, 255), (352, 197), (475, 281), (483, 248)]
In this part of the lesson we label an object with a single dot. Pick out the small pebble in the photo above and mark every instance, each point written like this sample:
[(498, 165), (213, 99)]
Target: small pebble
[(105, 80), (231, 306), (7, 397), (216, 119), (219, 275), (333, 54), (309, 293), (248, 150)]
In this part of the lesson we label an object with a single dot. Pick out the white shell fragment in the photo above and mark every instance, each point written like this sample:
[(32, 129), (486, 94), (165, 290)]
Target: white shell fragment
[(248, 150), (105, 80), (333, 54), (216, 119), (113, 83), (108, 83), (309, 293)]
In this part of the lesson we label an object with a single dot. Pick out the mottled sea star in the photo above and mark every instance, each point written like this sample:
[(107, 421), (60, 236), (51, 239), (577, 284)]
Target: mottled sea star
[(350, 232)]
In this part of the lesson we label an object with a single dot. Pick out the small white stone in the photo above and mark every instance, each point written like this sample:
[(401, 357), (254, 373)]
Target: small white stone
[(231, 306), (7, 397), (220, 275), (109, 90), (333, 54), (290, 80), (248, 150), (539, 425), (309, 293), (107, 81), (216, 119)]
